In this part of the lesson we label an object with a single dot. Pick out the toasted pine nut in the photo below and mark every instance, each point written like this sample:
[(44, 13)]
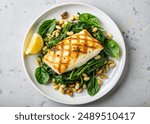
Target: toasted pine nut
[(112, 65), (70, 33), (79, 90), (84, 86), (61, 22), (57, 34), (97, 57), (70, 94), (63, 25), (72, 18), (102, 76), (62, 90), (76, 17), (109, 35), (44, 48), (56, 87), (84, 74), (72, 85), (86, 78), (37, 62), (58, 27), (94, 29), (110, 61), (104, 71), (62, 86), (106, 67), (68, 91), (74, 90), (99, 72), (100, 81), (49, 37), (77, 86)]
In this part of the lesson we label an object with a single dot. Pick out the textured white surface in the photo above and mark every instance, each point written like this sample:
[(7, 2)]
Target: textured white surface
[(131, 16)]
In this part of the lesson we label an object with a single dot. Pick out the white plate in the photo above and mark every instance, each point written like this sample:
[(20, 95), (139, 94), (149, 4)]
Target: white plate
[(109, 26)]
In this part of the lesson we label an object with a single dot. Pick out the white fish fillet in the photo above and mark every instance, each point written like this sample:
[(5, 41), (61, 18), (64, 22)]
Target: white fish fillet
[(72, 52)]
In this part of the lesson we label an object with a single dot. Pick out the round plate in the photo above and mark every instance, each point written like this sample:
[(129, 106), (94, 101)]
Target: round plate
[(109, 26)]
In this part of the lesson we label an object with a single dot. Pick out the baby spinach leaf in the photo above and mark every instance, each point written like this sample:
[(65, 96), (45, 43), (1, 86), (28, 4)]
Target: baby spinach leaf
[(93, 86), (47, 26), (90, 19), (112, 49), (41, 75)]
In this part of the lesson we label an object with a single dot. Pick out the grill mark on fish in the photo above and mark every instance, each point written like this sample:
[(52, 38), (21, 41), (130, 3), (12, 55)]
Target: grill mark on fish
[(79, 48)]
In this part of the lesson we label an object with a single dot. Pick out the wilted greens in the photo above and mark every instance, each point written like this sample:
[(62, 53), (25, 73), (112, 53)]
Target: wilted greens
[(86, 21)]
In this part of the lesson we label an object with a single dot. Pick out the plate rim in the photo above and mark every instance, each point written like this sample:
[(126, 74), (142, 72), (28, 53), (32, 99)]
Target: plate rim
[(59, 5)]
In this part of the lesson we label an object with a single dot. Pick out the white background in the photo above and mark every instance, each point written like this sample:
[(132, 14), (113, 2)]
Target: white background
[(7, 115), (132, 17)]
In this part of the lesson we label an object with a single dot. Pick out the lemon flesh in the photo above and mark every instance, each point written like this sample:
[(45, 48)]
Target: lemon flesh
[(35, 45)]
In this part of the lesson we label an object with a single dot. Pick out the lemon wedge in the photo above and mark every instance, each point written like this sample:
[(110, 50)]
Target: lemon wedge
[(35, 45)]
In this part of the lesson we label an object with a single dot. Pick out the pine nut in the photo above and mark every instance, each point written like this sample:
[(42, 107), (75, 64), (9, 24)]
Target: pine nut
[(86, 78), (44, 48), (70, 94), (77, 86), (74, 90), (103, 76), (62, 90), (63, 25), (62, 86), (70, 33), (76, 17), (68, 91), (57, 34), (56, 87), (49, 37), (112, 65), (99, 72), (53, 34), (72, 18), (94, 29), (79, 90), (58, 27), (61, 22), (110, 61), (72, 85), (104, 71), (106, 67), (100, 81), (109, 35), (84, 74), (84, 86), (97, 57)]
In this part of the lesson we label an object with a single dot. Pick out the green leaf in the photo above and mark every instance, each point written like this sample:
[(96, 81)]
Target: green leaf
[(112, 49), (90, 19), (93, 86), (47, 26), (41, 75)]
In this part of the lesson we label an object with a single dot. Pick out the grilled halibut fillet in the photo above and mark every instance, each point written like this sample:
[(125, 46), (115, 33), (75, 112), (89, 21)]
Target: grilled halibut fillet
[(72, 52)]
